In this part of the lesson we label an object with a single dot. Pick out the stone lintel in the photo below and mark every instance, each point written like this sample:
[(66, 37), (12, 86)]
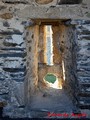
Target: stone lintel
[(58, 12)]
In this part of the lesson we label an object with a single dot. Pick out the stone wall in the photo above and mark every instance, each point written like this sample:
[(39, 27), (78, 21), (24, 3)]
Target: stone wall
[(16, 50), (12, 62), (83, 62)]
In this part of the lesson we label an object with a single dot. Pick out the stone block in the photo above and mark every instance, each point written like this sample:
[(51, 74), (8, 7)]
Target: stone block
[(6, 16), (17, 93)]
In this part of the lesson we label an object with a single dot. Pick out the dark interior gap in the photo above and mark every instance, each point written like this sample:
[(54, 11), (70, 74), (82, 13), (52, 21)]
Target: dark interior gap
[(70, 2)]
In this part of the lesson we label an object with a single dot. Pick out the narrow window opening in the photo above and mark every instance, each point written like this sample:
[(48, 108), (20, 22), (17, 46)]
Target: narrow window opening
[(49, 45), (49, 55)]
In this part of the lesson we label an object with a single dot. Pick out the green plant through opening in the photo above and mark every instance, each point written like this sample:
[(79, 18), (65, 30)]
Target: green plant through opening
[(51, 78)]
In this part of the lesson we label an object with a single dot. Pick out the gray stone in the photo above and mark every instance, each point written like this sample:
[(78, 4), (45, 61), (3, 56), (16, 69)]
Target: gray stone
[(4, 88), (19, 42), (17, 93), (58, 12)]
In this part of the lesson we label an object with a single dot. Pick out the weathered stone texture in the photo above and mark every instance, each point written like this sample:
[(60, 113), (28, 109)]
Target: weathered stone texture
[(83, 62), (68, 49), (19, 46), (32, 37), (12, 55), (57, 58)]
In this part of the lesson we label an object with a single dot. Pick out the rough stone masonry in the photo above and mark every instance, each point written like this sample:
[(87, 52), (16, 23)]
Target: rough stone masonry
[(21, 24)]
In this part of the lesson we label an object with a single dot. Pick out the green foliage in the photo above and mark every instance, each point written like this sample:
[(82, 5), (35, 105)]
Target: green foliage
[(51, 78)]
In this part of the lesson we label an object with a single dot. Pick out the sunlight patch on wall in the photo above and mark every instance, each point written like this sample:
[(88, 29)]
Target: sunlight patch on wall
[(63, 67)]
